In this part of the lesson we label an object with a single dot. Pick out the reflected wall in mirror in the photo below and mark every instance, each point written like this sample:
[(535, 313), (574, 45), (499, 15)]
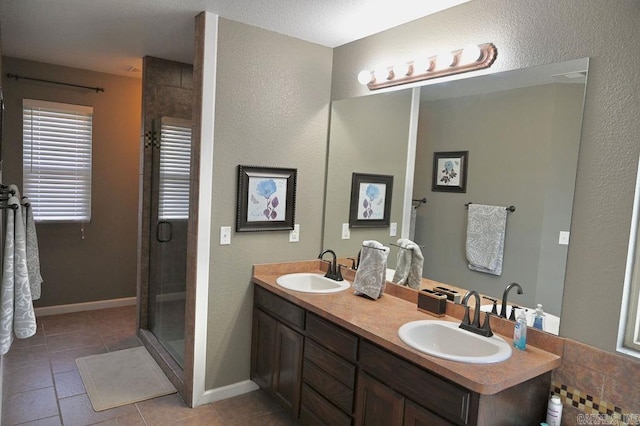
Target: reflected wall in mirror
[(368, 135), (522, 131), (523, 137)]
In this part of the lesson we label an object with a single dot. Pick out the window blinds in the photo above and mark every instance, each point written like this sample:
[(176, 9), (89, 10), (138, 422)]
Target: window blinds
[(175, 163), (57, 160)]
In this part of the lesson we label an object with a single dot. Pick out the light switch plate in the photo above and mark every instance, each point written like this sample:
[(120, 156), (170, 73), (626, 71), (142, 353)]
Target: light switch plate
[(563, 239), (294, 234), (393, 229), (346, 232), (225, 235)]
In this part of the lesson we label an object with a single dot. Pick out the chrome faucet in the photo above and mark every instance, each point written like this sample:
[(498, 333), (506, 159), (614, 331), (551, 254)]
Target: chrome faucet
[(334, 269), (475, 327), (505, 295)]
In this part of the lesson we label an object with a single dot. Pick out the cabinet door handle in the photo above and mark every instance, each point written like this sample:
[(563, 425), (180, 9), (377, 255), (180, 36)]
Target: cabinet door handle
[(159, 235)]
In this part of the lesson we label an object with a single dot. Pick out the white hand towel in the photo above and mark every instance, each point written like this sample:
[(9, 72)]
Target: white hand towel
[(486, 228), (33, 253), (6, 293), (370, 278), (410, 263), (17, 316)]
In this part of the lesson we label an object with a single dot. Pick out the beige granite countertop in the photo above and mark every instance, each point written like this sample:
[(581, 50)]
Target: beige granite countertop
[(379, 320)]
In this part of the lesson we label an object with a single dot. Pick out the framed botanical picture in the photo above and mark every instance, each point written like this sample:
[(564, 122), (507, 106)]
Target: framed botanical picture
[(370, 200), (450, 171), (266, 199)]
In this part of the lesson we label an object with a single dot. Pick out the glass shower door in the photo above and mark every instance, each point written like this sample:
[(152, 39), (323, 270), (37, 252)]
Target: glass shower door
[(168, 237)]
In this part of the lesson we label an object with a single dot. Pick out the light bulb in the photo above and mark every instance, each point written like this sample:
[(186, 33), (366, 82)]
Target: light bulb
[(421, 65), (444, 60), (402, 69), (365, 77), (383, 74), (470, 54)]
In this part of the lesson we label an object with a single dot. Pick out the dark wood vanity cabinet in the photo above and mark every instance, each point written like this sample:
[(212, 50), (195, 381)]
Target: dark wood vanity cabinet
[(380, 405), (392, 391), (326, 375), (277, 348)]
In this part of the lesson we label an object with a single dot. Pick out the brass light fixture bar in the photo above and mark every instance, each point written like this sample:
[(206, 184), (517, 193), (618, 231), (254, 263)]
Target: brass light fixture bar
[(471, 58)]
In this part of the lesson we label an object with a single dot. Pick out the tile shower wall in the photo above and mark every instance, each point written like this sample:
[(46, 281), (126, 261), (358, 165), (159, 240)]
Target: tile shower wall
[(597, 386)]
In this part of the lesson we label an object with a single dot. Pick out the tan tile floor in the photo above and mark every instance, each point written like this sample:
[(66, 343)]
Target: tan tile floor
[(42, 385)]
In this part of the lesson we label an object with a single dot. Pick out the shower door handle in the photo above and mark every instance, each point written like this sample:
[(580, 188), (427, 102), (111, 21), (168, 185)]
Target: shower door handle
[(160, 236)]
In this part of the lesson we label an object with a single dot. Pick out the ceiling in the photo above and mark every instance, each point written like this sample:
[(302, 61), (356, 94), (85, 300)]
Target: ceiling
[(113, 35)]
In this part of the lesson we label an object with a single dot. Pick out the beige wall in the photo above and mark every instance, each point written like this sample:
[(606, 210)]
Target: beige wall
[(272, 109), (536, 32), (103, 264), (368, 135), (515, 145)]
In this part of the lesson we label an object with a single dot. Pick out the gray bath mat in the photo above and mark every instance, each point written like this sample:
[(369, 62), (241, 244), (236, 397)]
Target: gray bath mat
[(122, 377)]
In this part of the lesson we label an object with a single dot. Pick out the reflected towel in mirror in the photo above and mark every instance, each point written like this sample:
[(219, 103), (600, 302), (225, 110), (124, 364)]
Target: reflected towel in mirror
[(486, 228), (410, 263), (370, 278)]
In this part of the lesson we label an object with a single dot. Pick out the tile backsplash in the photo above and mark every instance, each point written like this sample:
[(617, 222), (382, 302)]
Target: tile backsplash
[(597, 387)]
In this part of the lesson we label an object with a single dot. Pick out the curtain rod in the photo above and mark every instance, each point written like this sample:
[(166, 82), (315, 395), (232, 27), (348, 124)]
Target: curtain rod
[(17, 77)]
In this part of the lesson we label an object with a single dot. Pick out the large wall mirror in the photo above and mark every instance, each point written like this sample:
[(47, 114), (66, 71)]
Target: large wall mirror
[(521, 129)]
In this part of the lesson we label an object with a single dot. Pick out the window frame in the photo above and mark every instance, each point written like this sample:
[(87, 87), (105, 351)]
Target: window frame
[(629, 326), (56, 170), (184, 176)]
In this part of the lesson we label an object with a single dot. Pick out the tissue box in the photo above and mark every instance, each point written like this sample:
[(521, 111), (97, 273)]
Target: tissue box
[(432, 302)]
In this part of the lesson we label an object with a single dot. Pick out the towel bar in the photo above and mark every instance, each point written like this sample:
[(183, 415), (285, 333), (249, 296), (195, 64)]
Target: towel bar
[(423, 200), (404, 248), (510, 209), (8, 206)]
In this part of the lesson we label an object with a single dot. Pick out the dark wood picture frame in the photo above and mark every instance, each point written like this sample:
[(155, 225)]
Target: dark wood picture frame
[(370, 205), (450, 171), (266, 199)]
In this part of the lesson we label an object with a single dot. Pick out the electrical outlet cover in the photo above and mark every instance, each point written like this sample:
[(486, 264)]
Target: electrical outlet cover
[(294, 234), (346, 232)]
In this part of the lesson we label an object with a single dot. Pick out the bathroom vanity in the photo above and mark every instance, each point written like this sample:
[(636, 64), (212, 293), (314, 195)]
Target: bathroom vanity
[(336, 359)]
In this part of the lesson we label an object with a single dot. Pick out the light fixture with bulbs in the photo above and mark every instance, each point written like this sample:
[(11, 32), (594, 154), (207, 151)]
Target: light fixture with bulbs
[(471, 58)]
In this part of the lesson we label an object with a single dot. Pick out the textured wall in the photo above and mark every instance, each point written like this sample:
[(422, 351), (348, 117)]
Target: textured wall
[(272, 109), (103, 265), (536, 32)]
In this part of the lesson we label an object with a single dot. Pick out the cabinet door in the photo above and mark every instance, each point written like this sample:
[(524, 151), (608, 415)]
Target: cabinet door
[(287, 377), (415, 415), (263, 349), (377, 404)]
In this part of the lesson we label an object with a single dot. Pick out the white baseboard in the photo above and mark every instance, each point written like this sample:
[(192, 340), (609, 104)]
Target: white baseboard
[(86, 306), (213, 395)]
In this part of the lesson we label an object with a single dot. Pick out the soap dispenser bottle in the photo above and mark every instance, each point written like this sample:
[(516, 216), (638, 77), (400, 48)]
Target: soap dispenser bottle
[(538, 318), (520, 330)]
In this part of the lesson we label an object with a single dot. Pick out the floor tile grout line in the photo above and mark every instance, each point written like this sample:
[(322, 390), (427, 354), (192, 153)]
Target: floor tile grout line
[(55, 389), (140, 414)]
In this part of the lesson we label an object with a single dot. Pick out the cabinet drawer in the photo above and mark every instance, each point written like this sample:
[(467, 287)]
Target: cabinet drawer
[(415, 415), (434, 393), (322, 411), (332, 337), (328, 387), (333, 365), (282, 309)]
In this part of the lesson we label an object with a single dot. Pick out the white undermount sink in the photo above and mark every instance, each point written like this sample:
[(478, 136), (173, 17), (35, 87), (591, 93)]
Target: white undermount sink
[(444, 339), (311, 283)]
